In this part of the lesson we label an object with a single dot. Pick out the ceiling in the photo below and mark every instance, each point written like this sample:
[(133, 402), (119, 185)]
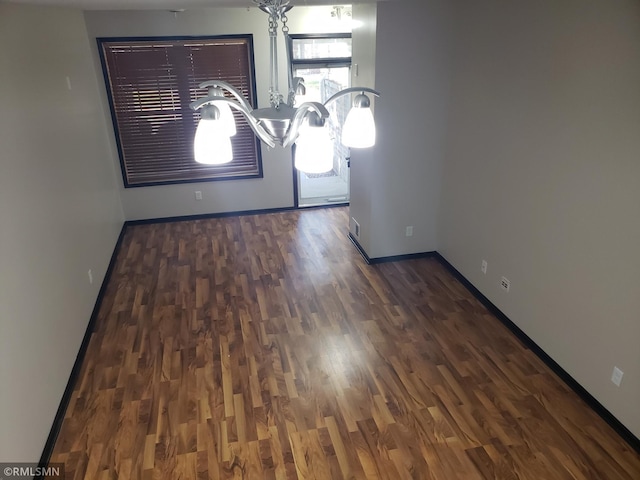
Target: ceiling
[(164, 4)]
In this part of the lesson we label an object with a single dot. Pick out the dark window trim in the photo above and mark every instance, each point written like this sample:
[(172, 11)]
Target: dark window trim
[(319, 35), (323, 62), (331, 61), (252, 68)]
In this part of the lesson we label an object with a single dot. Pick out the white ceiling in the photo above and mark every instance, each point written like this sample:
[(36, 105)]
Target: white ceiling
[(164, 4)]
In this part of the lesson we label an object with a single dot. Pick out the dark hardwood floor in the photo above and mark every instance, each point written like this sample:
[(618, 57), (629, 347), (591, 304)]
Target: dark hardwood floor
[(265, 347)]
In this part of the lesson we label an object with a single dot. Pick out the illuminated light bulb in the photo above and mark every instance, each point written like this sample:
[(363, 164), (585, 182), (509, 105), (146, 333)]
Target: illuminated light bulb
[(212, 144), (359, 130), (314, 150)]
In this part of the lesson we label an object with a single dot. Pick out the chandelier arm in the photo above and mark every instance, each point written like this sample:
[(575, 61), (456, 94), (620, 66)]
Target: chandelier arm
[(253, 122), (230, 88), (351, 90), (298, 118), (292, 87)]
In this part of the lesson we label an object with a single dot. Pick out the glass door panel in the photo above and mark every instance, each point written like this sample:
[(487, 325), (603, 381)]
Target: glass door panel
[(321, 83)]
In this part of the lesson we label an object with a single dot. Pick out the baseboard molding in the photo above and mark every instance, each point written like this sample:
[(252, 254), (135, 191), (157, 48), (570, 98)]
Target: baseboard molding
[(77, 365), (391, 258), (237, 213), (606, 415), (359, 248)]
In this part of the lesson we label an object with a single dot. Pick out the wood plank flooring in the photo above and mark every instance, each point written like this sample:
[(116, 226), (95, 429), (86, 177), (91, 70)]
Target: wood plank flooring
[(264, 347)]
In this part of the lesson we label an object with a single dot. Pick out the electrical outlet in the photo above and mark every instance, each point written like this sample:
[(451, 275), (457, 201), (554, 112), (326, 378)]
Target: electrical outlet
[(90, 274), (484, 266), (409, 231), (616, 376), (356, 227), (198, 195), (505, 284)]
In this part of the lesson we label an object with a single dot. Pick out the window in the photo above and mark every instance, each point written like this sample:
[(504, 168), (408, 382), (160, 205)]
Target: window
[(151, 82)]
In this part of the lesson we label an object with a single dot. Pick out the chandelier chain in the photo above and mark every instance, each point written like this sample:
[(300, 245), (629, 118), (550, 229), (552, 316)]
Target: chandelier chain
[(273, 25), (275, 99), (285, 19)]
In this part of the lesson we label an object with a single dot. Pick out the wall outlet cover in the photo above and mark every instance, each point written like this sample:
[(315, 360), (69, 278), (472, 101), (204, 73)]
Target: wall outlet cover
[(356, 227), (616, 376)]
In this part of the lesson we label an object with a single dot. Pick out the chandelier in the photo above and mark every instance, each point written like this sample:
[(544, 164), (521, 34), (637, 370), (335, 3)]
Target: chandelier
[(281, 123)]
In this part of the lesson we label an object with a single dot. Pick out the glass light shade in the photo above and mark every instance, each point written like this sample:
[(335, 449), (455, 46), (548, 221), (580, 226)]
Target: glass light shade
[(212, 145), (359, 130), (227, 118), (314, 150)]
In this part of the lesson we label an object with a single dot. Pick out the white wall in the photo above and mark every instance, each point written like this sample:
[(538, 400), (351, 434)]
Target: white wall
[(60, 215), (363, 73), (542, 179), (275, 190), (405, 166)]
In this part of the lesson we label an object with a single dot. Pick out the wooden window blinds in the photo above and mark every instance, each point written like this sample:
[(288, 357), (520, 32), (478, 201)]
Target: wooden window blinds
[(150, 84)]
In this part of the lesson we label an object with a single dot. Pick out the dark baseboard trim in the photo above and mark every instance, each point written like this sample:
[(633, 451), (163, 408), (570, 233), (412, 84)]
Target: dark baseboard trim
[(238, 213), (606, 415), (77, 365), (397, 258), (322, 205), (359, 248), (392, 258), (204, 216)]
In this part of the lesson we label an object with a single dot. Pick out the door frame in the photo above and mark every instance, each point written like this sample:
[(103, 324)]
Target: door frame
[(311, 62)]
